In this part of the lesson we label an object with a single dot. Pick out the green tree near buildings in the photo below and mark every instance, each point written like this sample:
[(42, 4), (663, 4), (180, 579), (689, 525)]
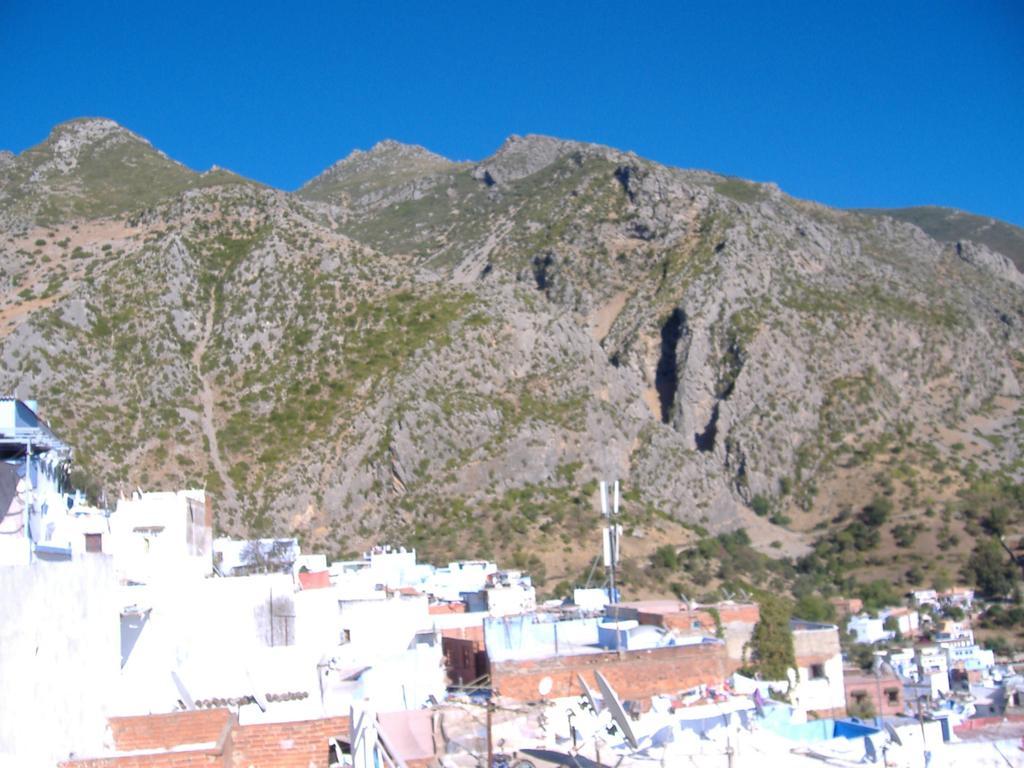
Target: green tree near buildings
[(812, 607), (994, 574), (772, 641)]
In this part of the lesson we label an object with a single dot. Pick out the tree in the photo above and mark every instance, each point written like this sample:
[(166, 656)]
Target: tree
[(999, 646), (253, 557), (863, 655), (665, 557), (993, 572), (761, 505), (862, 708), (904, 534), (878, 594), (941, 581), (280, 555), (772, 641), (877, 512), (892, 624), (813, 607), (998, 520), (954, 612)]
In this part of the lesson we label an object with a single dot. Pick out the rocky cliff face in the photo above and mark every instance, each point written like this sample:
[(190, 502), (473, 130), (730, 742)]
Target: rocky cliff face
[(454, 353)]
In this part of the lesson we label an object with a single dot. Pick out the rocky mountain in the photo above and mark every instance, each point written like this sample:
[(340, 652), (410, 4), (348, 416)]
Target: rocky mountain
[(949, 225), (452, 354), (90, 168)]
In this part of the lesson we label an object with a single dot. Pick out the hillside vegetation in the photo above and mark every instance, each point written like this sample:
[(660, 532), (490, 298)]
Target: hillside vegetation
[(451, 355)]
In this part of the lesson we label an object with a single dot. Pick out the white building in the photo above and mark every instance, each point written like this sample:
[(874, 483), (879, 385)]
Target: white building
[(931, 660), (591, 599), (510, 593), (458, 578), (165, 534), (59, 658), (819, 685), (313, 653), (869, 629), (908, 622), (35, 496), (958, 597), (965, 654), (904, 663), (950, 630)]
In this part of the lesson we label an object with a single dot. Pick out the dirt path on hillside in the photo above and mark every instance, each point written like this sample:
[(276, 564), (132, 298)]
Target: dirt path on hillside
[(208, 399)]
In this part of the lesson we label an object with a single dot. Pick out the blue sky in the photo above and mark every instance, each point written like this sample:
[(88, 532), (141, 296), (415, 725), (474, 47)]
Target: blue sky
[(849, 103)]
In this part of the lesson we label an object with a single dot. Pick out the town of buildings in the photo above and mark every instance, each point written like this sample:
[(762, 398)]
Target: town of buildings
[(134, 637)]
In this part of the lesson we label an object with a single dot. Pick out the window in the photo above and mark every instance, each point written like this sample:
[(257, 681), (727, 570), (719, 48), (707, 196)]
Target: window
[(817, 671), (94, 542), (892, 695)]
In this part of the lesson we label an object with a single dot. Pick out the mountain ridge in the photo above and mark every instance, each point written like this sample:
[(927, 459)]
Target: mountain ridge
[(947, 224), (453, 353)]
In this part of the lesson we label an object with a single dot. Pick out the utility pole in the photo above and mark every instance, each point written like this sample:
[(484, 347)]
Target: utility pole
[(925, 755), (490, 743)]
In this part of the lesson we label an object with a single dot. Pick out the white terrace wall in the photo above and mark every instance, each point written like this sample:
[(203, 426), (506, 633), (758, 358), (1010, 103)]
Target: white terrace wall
[(59, 658)]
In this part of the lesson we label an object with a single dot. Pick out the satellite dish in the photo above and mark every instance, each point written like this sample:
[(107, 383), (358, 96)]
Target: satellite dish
[(589, 694), (545, 685), (186, 697), (869, 749), (893, 735), (618, 712)]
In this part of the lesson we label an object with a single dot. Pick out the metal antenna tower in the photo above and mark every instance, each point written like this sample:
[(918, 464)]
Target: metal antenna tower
[(611, 534)]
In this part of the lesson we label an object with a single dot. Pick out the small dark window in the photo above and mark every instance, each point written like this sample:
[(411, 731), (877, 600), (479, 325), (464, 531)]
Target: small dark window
[(94, 542), (892, 695), (817, 671)]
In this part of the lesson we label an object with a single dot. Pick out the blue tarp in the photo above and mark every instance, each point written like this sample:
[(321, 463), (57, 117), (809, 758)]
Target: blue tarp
[(778, 720)]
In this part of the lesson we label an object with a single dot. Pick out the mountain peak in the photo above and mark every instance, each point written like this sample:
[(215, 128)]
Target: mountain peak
[(73, 135), (522, 156), (363, 172), (387, 152), (90, 166), (92, 126), (68, 140)]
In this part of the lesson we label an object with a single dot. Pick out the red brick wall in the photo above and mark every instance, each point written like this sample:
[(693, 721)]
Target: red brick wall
[(162, 760), (867, 686), (439, 609), (165, 731), (748, 613), (633, 674), (286, 745), (475, 632), (464, 660), (302, 744), (683, 620)]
